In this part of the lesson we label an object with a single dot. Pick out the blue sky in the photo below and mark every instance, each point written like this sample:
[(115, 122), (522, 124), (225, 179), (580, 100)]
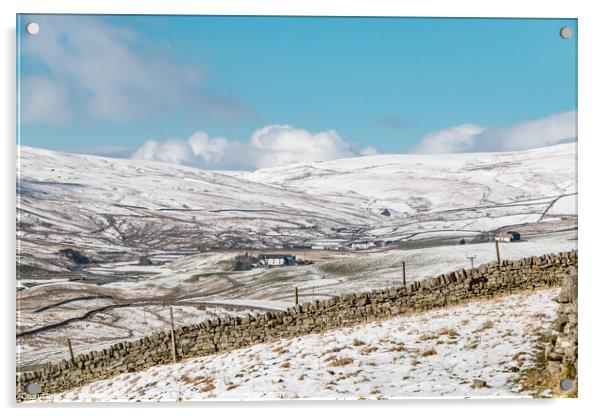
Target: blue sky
[(109, 84)]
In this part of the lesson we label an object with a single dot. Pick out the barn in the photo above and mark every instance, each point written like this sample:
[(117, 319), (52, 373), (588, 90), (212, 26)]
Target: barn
[(508, 236)]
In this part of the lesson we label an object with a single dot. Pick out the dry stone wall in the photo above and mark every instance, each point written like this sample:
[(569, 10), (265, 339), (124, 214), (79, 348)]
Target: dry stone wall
[(561, 352), (217, 335)]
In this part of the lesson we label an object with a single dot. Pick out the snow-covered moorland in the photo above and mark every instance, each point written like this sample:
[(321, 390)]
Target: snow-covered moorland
[(112, 209)]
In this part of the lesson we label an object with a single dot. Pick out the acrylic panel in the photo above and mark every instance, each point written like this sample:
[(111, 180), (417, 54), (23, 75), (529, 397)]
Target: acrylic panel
[(250, 208)]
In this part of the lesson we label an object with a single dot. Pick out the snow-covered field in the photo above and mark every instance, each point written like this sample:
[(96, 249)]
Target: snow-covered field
[(217, 292), (464, 351), (107, 327)]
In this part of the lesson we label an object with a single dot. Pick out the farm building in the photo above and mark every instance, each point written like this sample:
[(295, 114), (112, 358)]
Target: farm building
[(361, 245), (297, 246), (326, 246), (508, 236), (277, 259)]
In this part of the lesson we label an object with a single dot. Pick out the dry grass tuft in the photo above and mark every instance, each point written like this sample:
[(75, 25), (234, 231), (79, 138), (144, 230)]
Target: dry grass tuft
[(340, 362), (208, 387), (150, 384), (427, 337), (519, 357), (450, 332), (280, 349), (471, 345), (485, 326), (358, 342), (430, 351), (348, 375), (397, 348)]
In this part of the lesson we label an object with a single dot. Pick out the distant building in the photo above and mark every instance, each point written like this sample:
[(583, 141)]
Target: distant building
[(277, 259), (326, 246), (297, 246), (508, 236), (385, 212), (361, 245)]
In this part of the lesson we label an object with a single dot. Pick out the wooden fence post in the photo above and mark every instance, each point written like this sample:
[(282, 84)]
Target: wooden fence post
[(48, 370), (403, 272), (471, 258), (173, 336), (71, 351), (497, 251), (296, 296)]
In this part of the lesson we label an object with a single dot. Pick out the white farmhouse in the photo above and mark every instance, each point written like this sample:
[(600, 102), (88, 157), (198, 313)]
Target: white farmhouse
[(276, 259), (362, 245), (508, 236)]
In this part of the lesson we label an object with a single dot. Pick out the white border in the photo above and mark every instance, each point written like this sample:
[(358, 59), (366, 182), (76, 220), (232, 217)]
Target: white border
[(469, 8), (590, 68)]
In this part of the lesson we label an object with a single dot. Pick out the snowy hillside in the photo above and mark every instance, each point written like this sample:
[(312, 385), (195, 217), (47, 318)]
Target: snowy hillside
[(116, 207), (472, 350), (415, 184)]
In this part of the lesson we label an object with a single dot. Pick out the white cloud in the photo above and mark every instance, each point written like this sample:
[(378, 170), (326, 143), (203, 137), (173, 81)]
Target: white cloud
[(277, 145), (451, 140), (546, 131), (171, 151), (368, 151), (272, 145), (89, 68), (45, 100), (553, 129), (280, 144), (210, 150)]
